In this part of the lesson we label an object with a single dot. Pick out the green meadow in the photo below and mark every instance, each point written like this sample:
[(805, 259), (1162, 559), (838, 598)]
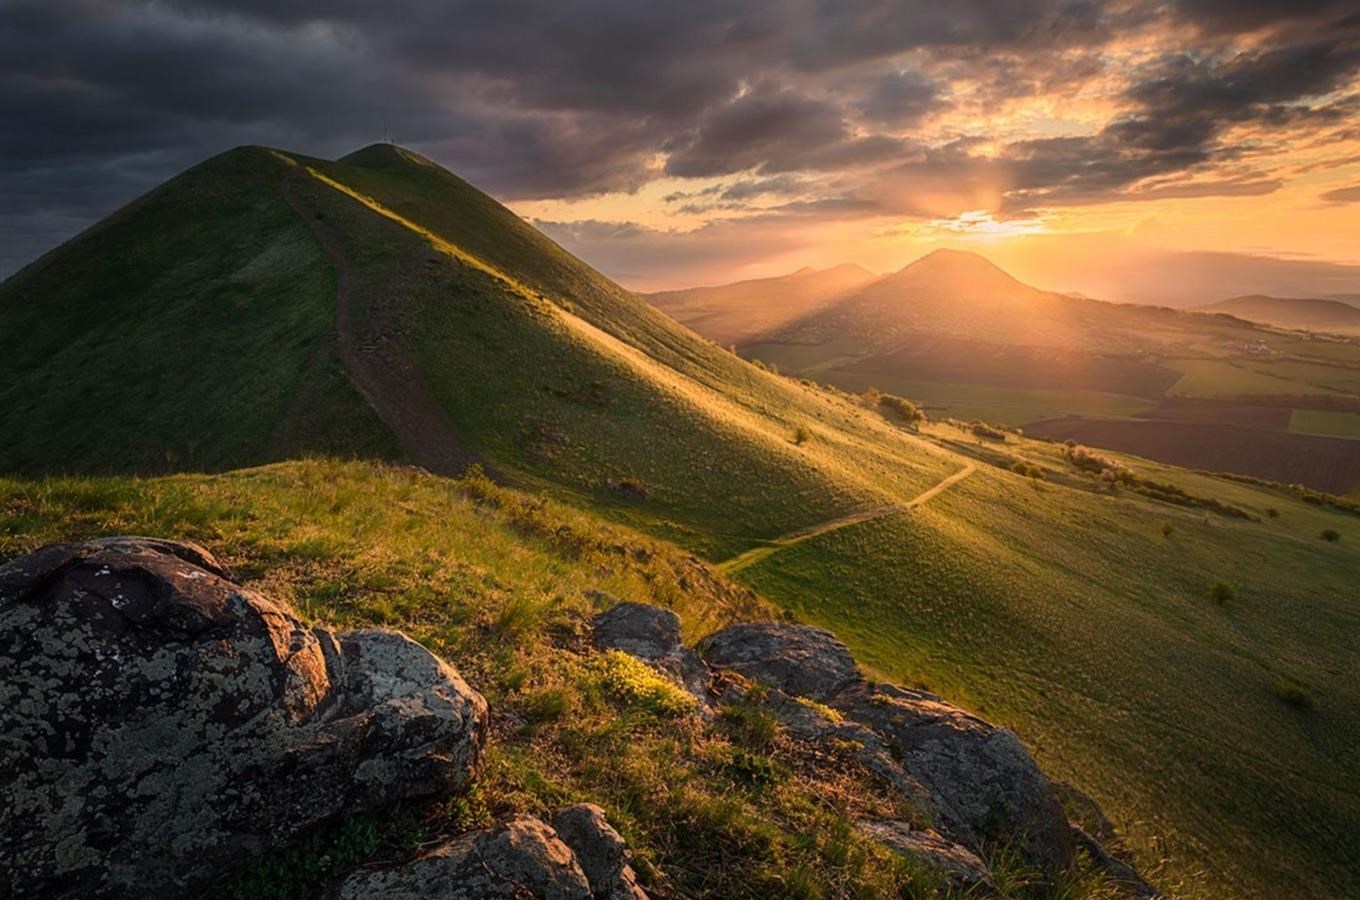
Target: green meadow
[(627, 456)]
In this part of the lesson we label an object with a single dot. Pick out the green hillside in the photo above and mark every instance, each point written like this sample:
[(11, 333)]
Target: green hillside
[(266, 306), (193, 329)]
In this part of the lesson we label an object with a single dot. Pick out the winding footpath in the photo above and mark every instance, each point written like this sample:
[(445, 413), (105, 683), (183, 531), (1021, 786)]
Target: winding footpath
[(758, 554)]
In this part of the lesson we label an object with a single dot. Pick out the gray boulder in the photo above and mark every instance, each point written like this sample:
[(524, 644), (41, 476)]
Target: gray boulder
[(797, 659), (521, 859), (981, 779), (600, 850), (961, 867), (645, 631), (652, 634), (159, 723)]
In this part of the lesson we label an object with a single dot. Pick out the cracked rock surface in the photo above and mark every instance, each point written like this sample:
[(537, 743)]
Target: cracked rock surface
[(579, 857), (158, 722)]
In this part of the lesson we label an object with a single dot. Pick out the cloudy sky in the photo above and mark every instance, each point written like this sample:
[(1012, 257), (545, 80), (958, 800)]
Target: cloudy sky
[(1126, 148)]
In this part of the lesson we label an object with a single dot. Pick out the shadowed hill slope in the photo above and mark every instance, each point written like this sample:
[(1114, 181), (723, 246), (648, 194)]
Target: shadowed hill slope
[(192, 329), (745, 310), (1290, 312)]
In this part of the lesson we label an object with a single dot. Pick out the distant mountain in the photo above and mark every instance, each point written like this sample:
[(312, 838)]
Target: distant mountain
[(733, 313), (1290, 312)]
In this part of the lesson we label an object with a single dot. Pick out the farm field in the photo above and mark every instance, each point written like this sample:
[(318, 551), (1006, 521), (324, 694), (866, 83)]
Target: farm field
[(1312, 376), (1213, 379), (1321, 421), (1325, 463), (1219, 412)]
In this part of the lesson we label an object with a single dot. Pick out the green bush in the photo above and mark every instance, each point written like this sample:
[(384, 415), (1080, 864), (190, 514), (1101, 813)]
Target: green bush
[(633, 682), (1331, 535), (1291, 693), (1222, 593), (801, 435), (988, 432), (905, 409)]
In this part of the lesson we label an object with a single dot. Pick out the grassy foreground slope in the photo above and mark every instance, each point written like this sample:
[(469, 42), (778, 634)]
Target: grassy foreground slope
[(1221, 729), (502, 584)]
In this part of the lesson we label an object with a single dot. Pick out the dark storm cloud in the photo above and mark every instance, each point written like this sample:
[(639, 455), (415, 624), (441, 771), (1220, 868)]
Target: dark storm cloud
[(553, 99), (901, 98)]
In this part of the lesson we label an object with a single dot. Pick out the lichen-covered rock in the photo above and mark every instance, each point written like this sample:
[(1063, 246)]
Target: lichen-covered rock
[(600, 850), (521, 859), (981, 779), (797, 659), (816, 723), (652, 634), (645, 631), (158, 723), (962, 867)]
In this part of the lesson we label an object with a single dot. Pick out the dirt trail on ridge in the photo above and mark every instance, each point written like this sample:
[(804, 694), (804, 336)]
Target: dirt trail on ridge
[(379, 367)]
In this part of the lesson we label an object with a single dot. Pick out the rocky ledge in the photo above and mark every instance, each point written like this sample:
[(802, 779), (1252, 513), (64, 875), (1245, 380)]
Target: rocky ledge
[(972, 783), (159, 724)]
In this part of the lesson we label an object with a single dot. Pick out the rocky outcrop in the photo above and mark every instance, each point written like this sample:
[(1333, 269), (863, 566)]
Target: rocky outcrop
[(600, 850), (159, 723), (972, 783), (962, 867), (981, 781), (522, 858), (799, 660), (653, 634), (579, 857)]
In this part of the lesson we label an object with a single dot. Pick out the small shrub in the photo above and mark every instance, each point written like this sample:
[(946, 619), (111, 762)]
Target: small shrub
[(1168, 529), (1222, 593), (1272, 512), (906, 410), (801, 435), (755, 769), (751, 723), (1028, 469), (1292, 694), (1331, 535), (631, 681), (988, 432)]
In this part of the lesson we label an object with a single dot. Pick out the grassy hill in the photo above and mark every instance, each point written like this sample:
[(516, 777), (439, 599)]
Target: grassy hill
[(956, 332), (1291, 312), (265, 306), (734, 313)]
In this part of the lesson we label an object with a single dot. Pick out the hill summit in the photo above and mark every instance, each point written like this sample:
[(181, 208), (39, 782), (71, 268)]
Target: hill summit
[(265, 305), (959, 274)]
